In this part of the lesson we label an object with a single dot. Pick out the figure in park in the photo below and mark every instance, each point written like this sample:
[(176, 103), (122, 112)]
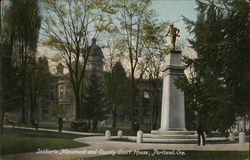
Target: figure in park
[(60, 124), (200, 132), (173, 32)]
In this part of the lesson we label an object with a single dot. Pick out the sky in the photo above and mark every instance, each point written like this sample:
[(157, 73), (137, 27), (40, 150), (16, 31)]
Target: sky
[(170, 11), (173, 10)]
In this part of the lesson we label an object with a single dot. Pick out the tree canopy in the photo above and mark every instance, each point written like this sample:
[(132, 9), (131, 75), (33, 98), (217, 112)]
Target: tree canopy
[(217, 90)]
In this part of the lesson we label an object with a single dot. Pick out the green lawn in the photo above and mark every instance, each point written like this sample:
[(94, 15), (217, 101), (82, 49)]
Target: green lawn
[(188, 155), (127, 132), (55, 126), (21, 140)]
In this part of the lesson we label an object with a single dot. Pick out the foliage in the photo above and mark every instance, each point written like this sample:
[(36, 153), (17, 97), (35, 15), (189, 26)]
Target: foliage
[(20, 24), (39, 78), (153, 59), (9, 78), (24, 21), (94, 102), (116, 90), (130, 25), (68, 28), (217, 90)]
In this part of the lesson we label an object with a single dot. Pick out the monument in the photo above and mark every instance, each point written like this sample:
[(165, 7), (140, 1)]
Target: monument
[(173, 110), (172, 127)]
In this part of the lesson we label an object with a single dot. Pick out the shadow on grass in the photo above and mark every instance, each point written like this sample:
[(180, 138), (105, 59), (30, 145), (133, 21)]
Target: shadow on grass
[(21, 140)]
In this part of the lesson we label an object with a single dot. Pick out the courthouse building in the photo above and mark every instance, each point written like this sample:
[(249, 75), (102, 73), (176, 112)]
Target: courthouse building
[(59, 95)]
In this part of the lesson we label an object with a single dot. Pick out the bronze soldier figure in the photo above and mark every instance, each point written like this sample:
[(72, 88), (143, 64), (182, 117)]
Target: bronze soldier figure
[(173, 32)]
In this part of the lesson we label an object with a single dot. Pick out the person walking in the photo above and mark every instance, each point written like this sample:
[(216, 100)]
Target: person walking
[(60, 124), (200, 132)]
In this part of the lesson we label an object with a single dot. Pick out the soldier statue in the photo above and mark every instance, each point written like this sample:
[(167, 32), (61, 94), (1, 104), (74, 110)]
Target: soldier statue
[(173, 32)]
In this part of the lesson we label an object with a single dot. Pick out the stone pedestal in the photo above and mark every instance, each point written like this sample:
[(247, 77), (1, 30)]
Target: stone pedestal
[(139, 138), (173, 111), (242, 138), (231, 137), (119, 133), (108, 135)]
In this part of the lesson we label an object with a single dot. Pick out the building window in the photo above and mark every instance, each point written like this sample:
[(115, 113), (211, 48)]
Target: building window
[(61, 95)]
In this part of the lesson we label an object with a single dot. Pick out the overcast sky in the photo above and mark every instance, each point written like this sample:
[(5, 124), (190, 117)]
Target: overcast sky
[(173, 10), (166, 10)]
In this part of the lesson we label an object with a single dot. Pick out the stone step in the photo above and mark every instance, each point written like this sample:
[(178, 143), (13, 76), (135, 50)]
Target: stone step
[(174, 136), (157, 132), (160, 140)]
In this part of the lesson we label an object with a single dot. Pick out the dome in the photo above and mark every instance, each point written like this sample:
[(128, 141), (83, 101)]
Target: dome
[(95, 50)]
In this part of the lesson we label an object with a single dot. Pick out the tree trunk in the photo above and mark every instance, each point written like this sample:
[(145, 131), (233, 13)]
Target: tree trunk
[(114, 116), (31, 113), (153, 118), (2, 114), (89, 124), (23, 101), (77, 105), (23, 115), (133, 108), (244, 123), (133, 100), (33, 107)]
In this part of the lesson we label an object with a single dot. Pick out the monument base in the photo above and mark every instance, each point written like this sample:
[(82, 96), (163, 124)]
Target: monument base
[(158, 132), (173, 129), (174, 137)]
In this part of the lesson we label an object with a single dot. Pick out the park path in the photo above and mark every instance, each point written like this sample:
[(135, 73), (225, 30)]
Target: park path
[(98, 144)]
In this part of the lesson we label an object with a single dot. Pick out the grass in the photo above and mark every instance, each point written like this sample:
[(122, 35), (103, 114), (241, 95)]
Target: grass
[(188, 155), (55, 126), (127, 132), (20, 140)]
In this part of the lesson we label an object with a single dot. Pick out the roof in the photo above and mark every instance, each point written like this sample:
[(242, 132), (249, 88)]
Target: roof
[(95, 50)]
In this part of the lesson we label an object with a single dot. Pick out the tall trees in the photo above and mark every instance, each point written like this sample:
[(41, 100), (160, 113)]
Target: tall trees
[(116, 90), (9, 94), (20, 24), (68, 27), (131, 17), (94, 102), (218, 90), (25, 21), (154, 56), (39, 78)]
